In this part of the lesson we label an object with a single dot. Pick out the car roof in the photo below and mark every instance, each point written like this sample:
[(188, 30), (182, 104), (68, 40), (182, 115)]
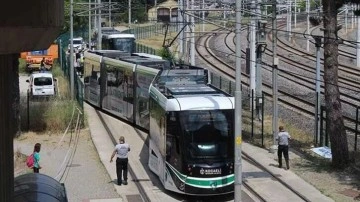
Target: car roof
[(42, 74), (78, 38)]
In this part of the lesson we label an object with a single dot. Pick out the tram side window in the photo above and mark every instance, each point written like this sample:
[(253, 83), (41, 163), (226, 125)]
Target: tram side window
[(172, 131), (95, 77)]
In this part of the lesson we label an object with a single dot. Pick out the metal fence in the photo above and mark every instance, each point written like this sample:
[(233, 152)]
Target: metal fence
[(144, 32), (65, 66)]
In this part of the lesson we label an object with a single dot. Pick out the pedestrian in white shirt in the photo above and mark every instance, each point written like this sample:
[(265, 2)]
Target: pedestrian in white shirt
[(283, 146)]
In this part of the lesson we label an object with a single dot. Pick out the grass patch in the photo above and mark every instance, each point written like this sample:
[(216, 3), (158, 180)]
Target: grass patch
[(252, 133), (22, 66)]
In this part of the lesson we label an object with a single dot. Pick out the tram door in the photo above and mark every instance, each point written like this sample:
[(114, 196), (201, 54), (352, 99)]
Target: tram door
[(162, 148)]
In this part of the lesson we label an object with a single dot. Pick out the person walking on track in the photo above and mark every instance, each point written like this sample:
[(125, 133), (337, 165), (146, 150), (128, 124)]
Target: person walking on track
[(283, 146), (121, 150)]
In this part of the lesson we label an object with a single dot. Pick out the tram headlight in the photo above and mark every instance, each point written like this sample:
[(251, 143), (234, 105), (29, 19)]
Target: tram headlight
[(231, 167)]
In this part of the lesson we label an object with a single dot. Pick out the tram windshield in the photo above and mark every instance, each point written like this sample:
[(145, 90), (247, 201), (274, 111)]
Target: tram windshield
[(124, 44), (208, 134)]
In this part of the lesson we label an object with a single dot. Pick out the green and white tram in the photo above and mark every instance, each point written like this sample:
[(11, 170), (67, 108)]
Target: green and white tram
[(191, 133), (190, 122)]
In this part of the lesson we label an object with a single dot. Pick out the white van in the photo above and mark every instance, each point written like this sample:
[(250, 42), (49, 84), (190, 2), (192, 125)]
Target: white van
[(78, 43), (42, 85)]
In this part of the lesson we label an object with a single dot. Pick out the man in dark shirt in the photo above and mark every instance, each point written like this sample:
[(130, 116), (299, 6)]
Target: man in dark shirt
[(42, 65)]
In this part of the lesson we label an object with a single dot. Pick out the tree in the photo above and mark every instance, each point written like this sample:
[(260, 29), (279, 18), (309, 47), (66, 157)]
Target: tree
[(336, 127), (80, 22)]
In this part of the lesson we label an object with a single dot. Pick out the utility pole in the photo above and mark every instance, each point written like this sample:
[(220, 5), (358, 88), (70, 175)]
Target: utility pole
[(274, 79), (110, 13), (289, 20), (89, 34), (295, 7), (130, 14), (261, 42), (317, 88), (346, 17), (238, 107), (203, 16), (308, 25), (358, 42), (95, 15), (224, 14), (72, 49), (180, 26), (187, 34), (252, 54), (99, 26), (192, 45)]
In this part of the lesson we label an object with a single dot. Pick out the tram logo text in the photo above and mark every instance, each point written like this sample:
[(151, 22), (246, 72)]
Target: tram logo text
[(214, 171)]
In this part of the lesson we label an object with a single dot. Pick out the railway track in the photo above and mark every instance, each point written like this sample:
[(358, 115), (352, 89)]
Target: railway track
[(349, 75), (293, 101), (110, 134), (348, 90)]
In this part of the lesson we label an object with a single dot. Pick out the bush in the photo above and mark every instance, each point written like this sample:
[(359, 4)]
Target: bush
[(166, 54), (22, 65)]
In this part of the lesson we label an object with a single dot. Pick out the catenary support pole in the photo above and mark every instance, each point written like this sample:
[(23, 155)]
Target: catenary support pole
[(192, 45), (187, 34), (317, 87), (95, 14), (346, 17), (308, 25), (358, 43), (290, 18), (110, 24), (130, 14), (258, 82), (238, 107), (274, 79), (180, 26), (89, 34), (203, 16), (295, 7), (71, 58), (99, 26), (252, 52), (352, 17)]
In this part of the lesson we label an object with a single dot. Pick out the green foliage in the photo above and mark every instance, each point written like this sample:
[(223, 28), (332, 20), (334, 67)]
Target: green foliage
[(166, 54), (302, 5), (22, 66), (230, 24), (79, 22)]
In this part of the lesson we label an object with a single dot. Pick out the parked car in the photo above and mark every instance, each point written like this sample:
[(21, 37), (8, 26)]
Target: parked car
[(42, 85)]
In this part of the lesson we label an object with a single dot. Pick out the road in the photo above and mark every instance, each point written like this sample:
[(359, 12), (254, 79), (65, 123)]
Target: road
[(86, 178)]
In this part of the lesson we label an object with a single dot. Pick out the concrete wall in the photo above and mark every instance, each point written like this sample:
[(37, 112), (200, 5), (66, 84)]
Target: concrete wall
[(24, 26), (30, 24)]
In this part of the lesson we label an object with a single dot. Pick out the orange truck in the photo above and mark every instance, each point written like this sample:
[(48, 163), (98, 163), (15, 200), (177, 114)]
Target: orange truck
[(33, 58)]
